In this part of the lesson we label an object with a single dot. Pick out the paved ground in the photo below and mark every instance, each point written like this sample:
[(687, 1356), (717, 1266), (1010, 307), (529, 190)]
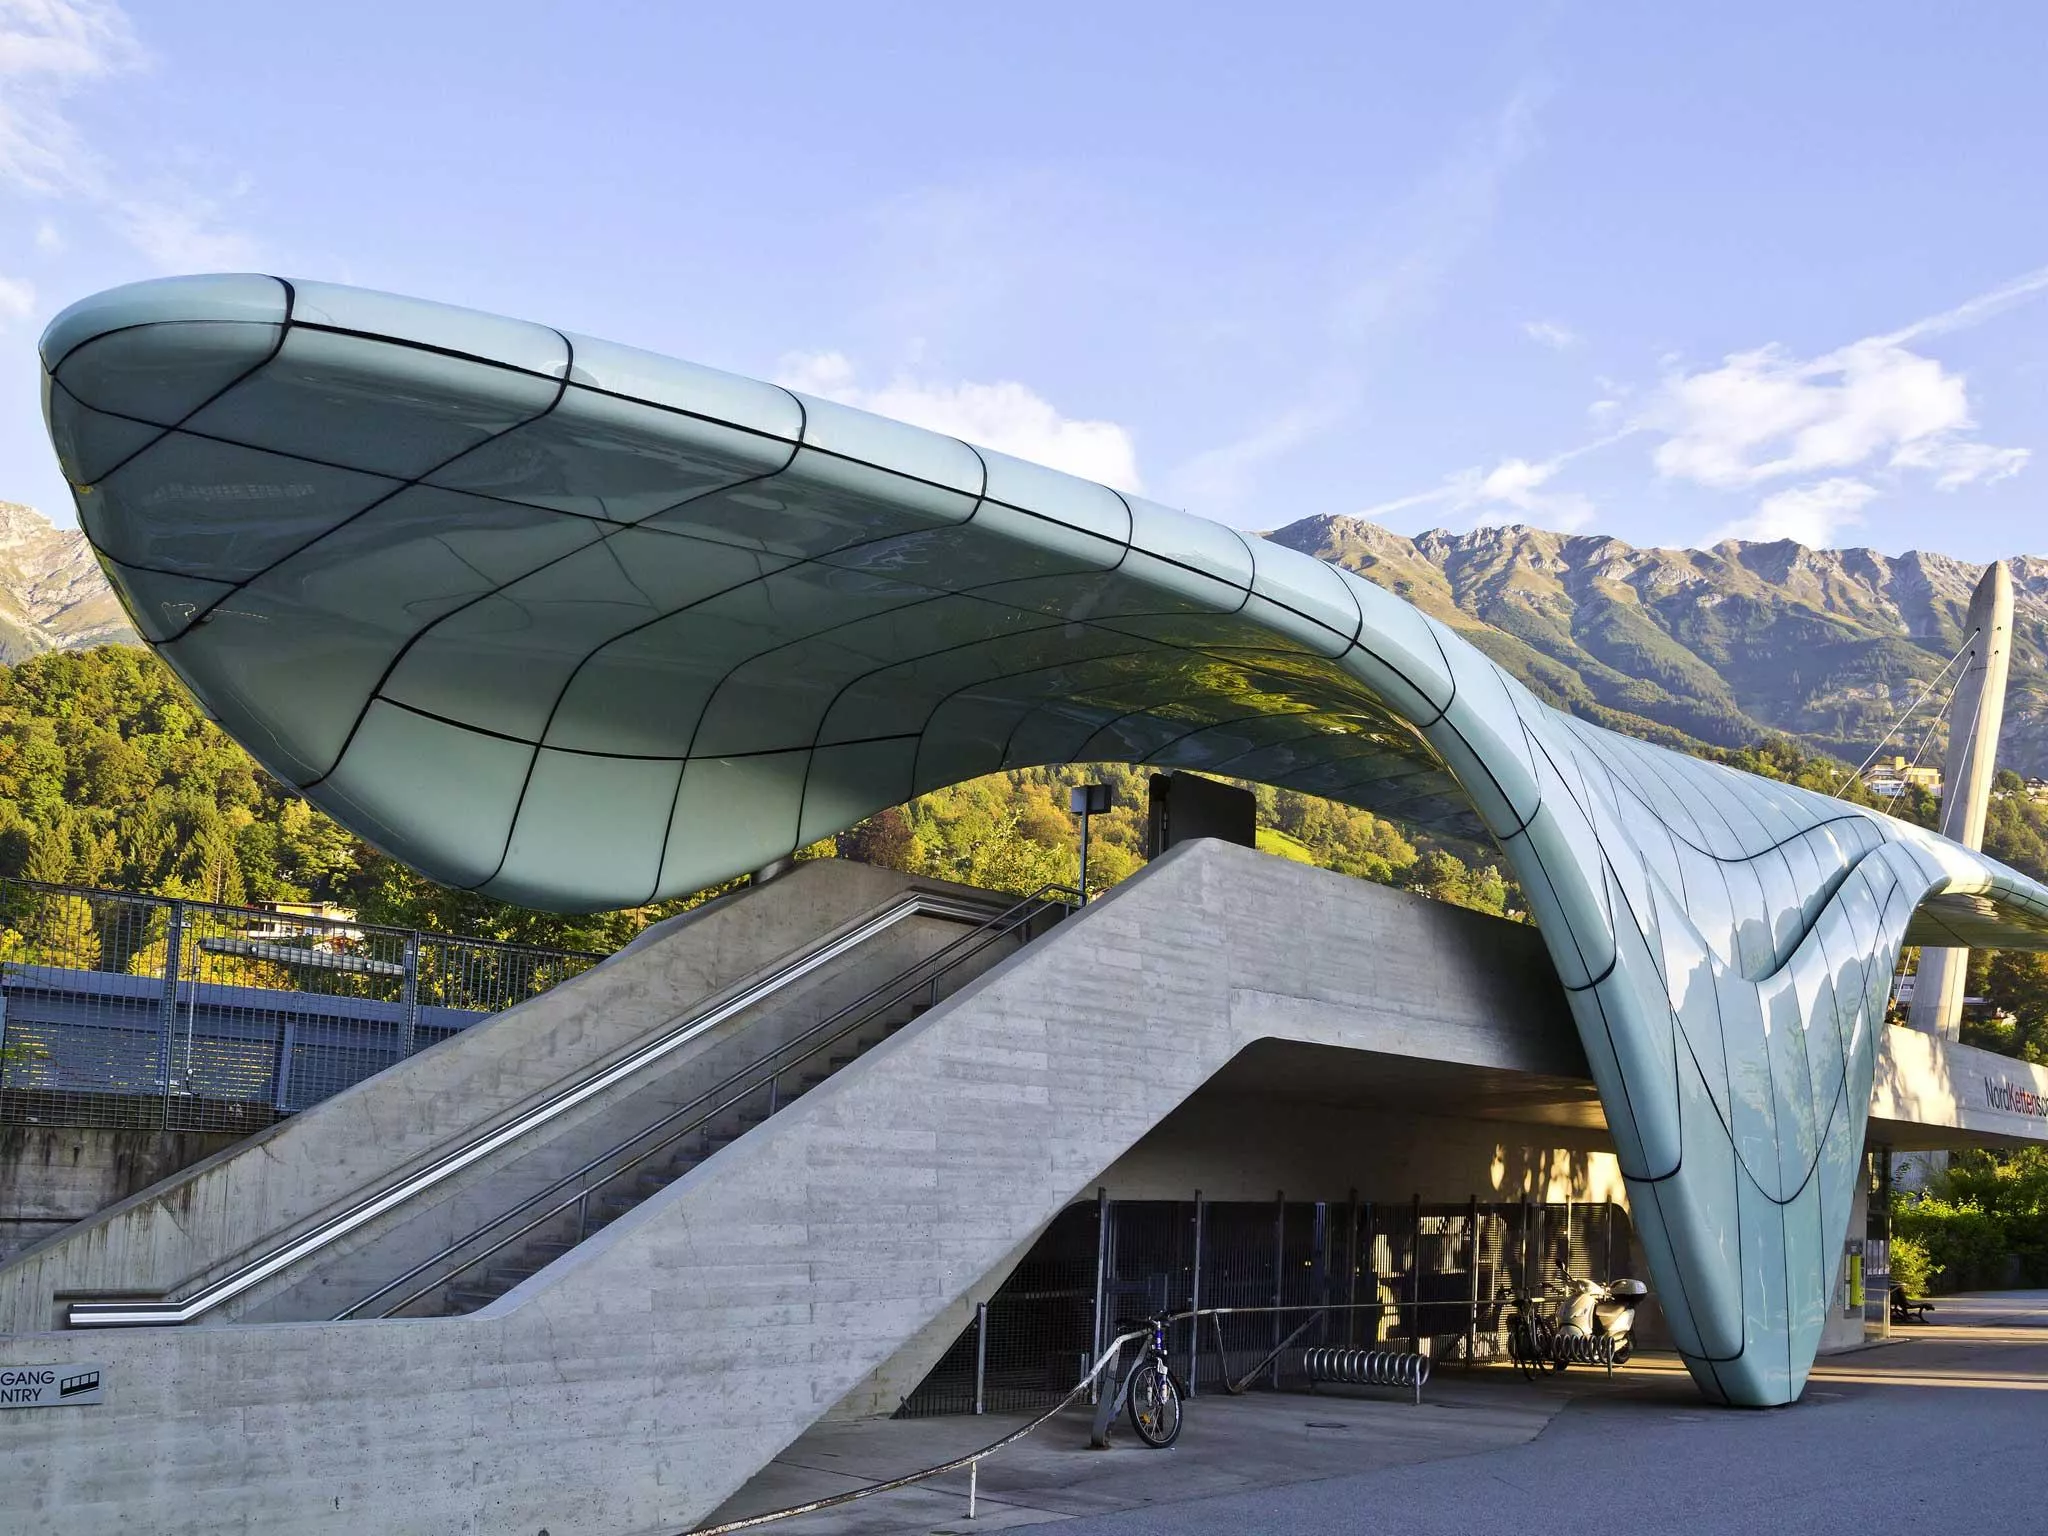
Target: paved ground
[(1940, 1431)]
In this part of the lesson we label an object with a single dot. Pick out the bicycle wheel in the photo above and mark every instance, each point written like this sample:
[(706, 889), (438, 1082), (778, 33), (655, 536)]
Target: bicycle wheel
[(1155, 1406)]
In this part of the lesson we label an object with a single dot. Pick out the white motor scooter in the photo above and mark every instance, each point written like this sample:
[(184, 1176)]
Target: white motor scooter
[(1596, 1321)]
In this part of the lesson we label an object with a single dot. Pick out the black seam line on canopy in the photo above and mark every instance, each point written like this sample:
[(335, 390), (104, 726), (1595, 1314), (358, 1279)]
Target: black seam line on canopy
[(714, 757), (818, 730), (405, 648), (1838, 1104), (1354, 640), (1655, 1193), (569, 379), (1725, 1121), (1080, 753), (566, 377), (239, 584), (162, 432), (1190, 726), (1623, 765), (1853, 815), (1046, 623), (1830, 883), (1783, 958), (647, 524), (533, 758), (1252, 564), (1223, 766), (400, 486), (71, 351)]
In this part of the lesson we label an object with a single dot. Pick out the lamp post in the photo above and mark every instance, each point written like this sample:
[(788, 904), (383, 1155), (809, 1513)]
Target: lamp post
[(1086, 801)]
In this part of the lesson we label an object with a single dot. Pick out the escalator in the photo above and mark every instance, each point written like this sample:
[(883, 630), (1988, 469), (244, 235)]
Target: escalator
[(443, 1223)]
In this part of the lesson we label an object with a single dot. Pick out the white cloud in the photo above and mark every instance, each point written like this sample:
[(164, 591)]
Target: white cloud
[(1220, 479), (1447, 215), (17, 301), (1808, 514), (1955, 463), (1551, 334), (1006, 416), (1512, 491), (1874, 404), (182, 234), (1766, 415), (49, 51)]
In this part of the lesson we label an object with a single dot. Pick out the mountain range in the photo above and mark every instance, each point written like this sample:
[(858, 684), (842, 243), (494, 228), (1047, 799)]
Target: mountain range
[(1724, 645), (1718, 646), (52, 594)]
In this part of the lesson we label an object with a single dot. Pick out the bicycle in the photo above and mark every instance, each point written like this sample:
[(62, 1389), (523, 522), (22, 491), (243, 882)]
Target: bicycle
[(1532, 1333), (1150, 1389)]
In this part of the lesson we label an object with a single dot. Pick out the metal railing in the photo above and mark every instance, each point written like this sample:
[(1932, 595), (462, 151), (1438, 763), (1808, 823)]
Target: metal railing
[(756, 1091), (149, 1012), (520, 1124)]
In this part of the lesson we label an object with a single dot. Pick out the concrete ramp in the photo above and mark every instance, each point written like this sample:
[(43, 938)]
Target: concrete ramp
[(637, 1382)]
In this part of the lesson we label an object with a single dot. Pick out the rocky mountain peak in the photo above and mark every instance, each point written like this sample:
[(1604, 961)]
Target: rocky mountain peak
[(53, 595)]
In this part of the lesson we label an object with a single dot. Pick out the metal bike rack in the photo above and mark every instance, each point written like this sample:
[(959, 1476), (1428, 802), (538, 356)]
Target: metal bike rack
[(1583, 1349), (1367, 1368)]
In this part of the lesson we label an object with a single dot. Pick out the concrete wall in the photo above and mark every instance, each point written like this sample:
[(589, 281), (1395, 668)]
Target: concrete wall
[(54, 1176), (638, 1382)]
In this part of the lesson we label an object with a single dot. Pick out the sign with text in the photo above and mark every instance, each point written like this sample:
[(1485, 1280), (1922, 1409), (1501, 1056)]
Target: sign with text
[(2002, 1093), (50, 1386)]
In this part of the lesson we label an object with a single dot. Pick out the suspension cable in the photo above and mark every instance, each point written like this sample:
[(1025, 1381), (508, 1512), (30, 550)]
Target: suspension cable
[(1933, 683), (1926, 740)]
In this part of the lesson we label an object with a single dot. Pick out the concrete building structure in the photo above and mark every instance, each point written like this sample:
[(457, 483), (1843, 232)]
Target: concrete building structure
[(577, 626), (1975, 719)]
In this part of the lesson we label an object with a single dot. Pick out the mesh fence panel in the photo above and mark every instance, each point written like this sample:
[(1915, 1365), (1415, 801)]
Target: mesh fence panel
[(136, 1011), (1423, 1263)]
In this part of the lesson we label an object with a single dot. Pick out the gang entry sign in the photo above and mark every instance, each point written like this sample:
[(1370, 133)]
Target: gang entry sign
[(50, 1386)]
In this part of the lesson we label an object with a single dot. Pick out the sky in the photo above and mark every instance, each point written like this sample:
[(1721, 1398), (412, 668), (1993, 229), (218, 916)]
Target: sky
[(1669, 273)]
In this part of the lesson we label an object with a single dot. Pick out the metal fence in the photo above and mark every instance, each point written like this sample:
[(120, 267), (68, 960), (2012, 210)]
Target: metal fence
[(145, 1012), (1405, 1275)]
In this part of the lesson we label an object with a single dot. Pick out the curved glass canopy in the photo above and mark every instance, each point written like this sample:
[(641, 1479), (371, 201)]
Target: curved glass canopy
[(580, 626)]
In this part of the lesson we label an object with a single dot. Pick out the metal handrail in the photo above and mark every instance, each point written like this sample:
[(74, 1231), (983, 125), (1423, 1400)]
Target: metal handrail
[(743, 1083), (160, 1313), (972, 1460), (1111, 1357)]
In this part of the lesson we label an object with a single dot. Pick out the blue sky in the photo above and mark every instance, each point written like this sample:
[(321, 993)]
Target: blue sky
[(1672, 273)]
